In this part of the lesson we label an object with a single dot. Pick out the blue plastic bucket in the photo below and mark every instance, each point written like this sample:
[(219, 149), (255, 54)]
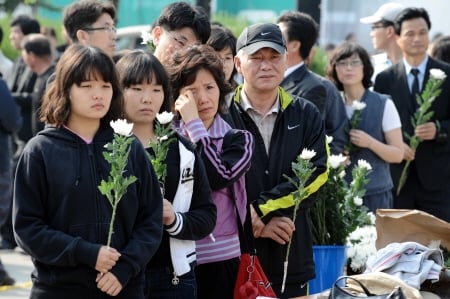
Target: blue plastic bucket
[(330, 264)]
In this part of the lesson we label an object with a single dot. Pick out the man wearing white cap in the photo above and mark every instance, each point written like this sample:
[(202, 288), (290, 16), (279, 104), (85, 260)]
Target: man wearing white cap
[(383, 36), (282, 127)]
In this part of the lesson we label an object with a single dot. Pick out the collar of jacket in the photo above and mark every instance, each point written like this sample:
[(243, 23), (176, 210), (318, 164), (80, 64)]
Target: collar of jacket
[(285, 98)]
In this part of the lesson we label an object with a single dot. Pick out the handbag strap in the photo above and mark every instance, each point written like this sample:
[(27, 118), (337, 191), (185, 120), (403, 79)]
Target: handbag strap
[(245, 229), (366, 291)]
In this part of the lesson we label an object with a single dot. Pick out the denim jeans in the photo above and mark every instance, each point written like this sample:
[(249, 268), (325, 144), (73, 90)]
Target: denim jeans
[(159, 285)]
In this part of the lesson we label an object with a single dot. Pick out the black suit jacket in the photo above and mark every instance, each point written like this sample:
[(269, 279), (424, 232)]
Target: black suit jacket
[(432, 161), (303, 83)]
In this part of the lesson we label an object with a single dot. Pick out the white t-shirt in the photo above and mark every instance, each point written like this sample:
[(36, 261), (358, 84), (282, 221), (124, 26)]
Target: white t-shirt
[(391, 119)]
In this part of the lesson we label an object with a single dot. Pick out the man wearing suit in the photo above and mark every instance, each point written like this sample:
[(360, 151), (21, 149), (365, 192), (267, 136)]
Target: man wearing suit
[(300, 32), (427, 187), (21, 84)]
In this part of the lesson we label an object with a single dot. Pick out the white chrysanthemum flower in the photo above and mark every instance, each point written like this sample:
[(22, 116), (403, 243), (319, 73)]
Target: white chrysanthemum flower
[(364, 164), (358, 200), (361, 246), (341, 174), (121, 127), (307, 154), (437, 74), (336, 160), (373, 217), (165, 117), (162, 138), (357, 105), (329, 139), (146, 37)]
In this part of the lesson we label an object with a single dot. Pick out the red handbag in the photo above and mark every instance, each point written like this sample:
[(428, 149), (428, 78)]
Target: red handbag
[(251, 280)]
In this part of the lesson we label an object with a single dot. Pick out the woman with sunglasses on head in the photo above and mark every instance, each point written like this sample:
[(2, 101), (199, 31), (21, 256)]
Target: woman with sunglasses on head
[(60, 218), (378, 137), (189, 213)]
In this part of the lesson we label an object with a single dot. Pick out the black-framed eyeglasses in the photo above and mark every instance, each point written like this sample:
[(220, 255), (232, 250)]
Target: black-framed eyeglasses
[(352, 63), (374, 27), (110, 29), (178, 40)]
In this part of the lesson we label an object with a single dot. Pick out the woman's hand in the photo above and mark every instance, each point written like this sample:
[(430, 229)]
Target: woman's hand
[(108, 283), (106, 259), (187, 106), (360, 138), (168, 212)]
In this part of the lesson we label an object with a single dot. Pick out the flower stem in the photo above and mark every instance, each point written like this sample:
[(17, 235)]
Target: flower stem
[(403, 177), (111, 224)]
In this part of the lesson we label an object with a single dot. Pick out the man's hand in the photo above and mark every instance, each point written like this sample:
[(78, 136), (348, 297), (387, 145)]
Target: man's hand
[(108, 283), (426, 131), (106, 259), (279, 229)]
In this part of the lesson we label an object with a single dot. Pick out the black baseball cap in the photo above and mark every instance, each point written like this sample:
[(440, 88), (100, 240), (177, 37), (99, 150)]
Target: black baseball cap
[(264, 35)]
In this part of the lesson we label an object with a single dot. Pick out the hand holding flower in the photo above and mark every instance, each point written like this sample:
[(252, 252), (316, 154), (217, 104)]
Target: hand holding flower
[(106, 259), (426, 131), (279, 229)]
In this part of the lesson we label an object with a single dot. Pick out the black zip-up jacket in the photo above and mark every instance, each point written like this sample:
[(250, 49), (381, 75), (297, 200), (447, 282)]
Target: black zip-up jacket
[(299, 125), (61, 219), (200, 220)]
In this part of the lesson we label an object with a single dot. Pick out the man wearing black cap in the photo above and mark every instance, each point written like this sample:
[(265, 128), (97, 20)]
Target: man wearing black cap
[(282, 127)]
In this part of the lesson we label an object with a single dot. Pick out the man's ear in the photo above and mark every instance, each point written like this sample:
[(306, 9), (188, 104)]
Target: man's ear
[(156, 33), (82, 36), (237, 64), (391, 31)]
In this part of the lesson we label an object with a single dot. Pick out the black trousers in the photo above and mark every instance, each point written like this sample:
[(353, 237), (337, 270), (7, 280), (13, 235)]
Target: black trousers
[(415, 196), (217, 280)]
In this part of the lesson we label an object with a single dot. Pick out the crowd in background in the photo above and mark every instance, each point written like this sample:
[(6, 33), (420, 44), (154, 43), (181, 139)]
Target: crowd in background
[(245, 107)]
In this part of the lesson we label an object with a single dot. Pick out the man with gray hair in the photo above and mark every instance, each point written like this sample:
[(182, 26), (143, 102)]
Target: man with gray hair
[(282, 127)]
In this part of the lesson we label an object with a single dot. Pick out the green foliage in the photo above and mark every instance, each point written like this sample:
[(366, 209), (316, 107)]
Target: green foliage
[(232, 22), (319, 62), (337, 211), (164, 136), (116, 154), (6, 46)]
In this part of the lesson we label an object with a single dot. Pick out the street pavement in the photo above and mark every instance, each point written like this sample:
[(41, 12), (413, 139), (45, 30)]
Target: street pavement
[(19, 267)]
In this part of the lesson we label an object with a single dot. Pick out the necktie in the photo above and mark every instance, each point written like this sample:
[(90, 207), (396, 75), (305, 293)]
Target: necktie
[(415, 85)]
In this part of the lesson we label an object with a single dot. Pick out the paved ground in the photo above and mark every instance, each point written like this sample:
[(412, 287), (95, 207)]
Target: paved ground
[(19, 267)]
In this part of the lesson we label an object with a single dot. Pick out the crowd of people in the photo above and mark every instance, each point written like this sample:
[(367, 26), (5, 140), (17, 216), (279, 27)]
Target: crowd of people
[(244, 109)]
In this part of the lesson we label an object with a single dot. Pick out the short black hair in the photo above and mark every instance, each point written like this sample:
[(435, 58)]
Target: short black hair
[(38, 44), (27, 24), (347, 50), (84, 13), (409, 14), (220, 39), (441, 49), (301, 27), (178, 15), (138, 66), (188, 61)]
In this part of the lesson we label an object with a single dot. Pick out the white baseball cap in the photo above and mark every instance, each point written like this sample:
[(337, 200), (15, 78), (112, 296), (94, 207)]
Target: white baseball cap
[(386, 12)]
